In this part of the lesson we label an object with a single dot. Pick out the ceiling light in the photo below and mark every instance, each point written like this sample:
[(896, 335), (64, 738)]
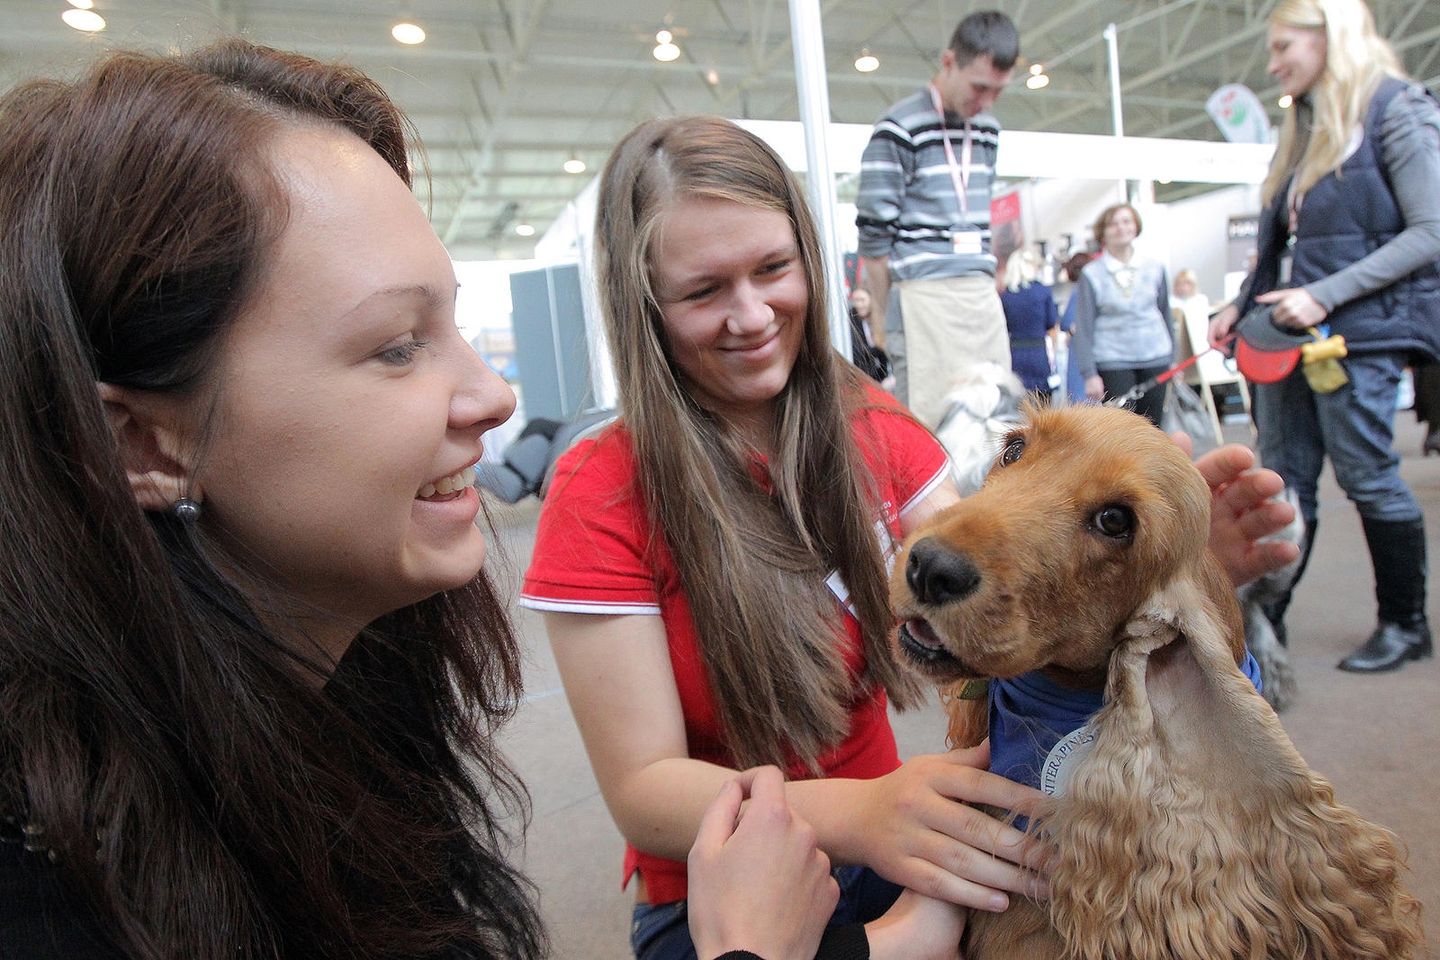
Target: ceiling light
[(83, 4), (409, 33), (1285, 102), (712, 77), (867, 62), (87, 20), (665, 48), (1037, 78), (524, 229), (574, 165)]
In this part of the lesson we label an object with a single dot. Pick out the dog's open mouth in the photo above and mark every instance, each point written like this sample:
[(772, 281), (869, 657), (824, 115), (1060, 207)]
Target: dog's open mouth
[(921, 644)]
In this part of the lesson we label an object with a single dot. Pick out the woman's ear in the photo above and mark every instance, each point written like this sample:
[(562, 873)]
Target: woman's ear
[(155, 440)]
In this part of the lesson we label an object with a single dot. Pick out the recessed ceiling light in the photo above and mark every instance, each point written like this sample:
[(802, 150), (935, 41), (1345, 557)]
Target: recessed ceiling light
[(87, 20), (574, 165), (525, 229), (410, 33), (1285, 101), (867, 62), (665, 48)]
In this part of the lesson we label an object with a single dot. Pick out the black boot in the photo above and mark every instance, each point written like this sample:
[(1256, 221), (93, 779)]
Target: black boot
[(1275, 609), (1397, 552)]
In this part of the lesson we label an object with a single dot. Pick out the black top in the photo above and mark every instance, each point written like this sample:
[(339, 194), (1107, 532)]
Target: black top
[(39, 918), (839, 943)]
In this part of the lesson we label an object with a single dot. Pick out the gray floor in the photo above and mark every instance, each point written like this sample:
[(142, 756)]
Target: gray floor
[(1376, 737)]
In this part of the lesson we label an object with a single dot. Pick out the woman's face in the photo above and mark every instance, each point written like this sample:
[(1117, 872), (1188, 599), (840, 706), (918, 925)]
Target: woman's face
[(1120, 229), (733, 295), (351, 408), (1297, 57), (860, 299), (1184, 288)]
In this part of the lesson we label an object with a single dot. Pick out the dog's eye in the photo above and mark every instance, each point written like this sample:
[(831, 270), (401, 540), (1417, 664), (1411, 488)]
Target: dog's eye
[(1115, 521), (1014, 448)]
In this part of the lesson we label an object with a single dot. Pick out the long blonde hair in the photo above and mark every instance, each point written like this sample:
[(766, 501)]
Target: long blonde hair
[(1021, 269), (1357, 58), (753, 561)]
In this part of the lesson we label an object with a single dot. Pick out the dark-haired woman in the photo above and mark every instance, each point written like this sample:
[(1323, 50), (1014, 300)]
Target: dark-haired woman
[(250, 668)]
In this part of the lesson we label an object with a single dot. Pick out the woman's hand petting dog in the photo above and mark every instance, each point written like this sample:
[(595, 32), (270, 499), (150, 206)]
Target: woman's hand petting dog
[(1243, 511), (917, 928), (916, 834), (758, 882)]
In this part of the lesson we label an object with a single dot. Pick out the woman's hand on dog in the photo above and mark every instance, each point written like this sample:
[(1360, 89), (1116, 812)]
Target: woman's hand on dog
[(917, 928), (758, 881), (917, 827), (1243, 511)]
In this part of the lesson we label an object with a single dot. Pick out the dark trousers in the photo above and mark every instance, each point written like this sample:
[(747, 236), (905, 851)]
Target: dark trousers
[(1151, 404)]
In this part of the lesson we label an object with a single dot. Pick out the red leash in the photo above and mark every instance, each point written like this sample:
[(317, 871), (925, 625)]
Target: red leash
[(1140, 389)]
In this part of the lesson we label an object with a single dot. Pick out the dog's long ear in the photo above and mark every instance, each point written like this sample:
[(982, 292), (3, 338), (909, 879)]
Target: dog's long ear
[(1195, 819), (965, 704)]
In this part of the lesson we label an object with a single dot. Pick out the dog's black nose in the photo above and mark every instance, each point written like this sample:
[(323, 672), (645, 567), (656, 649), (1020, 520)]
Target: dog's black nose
[(936, 574)]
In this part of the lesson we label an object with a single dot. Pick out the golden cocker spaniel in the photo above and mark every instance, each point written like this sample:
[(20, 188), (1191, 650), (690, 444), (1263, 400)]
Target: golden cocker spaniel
[(1185, 825)]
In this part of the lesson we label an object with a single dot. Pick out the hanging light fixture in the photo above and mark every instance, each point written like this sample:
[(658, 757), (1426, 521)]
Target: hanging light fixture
[(867, 62), (665, 48), (1037, 78), (408, 33), (574, 165), (87, 21)]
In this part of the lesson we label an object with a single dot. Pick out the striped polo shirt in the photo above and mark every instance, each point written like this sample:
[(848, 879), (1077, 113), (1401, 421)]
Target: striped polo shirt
[(907, 208)]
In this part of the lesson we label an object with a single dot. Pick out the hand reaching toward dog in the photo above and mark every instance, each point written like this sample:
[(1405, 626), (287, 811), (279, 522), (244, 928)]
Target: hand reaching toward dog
[(917, 928), (758, 882), (916, 827), (1243, 511)]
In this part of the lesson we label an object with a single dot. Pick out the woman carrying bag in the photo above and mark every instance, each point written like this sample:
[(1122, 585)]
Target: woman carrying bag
[(1348, 244)]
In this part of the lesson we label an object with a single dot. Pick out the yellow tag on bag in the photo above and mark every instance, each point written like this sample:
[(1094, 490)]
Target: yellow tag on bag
[(1322, 363)]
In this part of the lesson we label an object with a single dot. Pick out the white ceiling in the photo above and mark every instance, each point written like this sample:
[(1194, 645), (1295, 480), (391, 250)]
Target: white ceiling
[(504, 91)]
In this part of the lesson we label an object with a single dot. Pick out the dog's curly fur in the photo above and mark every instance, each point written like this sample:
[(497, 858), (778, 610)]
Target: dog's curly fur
[(1193, 829)]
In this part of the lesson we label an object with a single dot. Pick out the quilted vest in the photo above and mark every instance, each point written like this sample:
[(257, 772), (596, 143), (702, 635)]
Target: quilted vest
[(1345, 218)]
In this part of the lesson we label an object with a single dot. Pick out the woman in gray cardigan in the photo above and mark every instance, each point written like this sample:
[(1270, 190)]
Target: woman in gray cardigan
[(1123, 333)]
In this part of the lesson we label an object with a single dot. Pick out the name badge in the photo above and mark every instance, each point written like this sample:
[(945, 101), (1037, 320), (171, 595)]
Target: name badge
[(967, 242)]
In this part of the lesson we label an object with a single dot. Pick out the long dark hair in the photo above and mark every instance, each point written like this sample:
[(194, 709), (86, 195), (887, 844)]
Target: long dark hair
[(196, 786), (753, 561)]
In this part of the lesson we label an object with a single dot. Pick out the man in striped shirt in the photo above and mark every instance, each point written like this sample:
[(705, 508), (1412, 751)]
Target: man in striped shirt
[(924, 218)]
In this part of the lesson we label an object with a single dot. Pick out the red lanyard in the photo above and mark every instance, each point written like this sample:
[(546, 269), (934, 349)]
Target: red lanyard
[(959, 172)]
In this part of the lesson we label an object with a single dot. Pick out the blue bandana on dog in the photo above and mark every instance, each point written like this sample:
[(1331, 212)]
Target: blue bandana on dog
[(1038, 728)]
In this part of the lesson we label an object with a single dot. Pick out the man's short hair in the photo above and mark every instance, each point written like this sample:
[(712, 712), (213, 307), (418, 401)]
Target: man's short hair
[(986, 32)]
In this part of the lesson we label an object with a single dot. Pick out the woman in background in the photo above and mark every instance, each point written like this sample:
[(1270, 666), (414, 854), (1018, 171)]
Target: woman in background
[(1030, 316), (868, 357), (1348, 244), (1123, 334)]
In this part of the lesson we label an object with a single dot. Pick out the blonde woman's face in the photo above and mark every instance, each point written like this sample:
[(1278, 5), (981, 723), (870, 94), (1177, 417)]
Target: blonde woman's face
[(1297, 57), (733, 296)]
